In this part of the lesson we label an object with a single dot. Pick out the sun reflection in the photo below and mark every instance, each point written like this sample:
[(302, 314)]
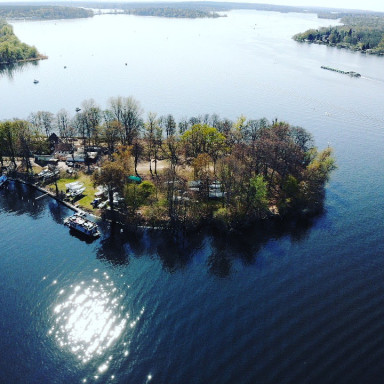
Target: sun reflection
[(90, 319)]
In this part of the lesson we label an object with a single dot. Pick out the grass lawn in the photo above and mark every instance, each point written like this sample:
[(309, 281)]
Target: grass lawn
[(89, 193)]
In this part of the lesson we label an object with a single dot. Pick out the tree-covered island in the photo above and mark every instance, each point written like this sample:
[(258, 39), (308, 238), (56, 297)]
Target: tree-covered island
[(12, 50), (42, 12), (151, 170), (171, 12), (360, 32)]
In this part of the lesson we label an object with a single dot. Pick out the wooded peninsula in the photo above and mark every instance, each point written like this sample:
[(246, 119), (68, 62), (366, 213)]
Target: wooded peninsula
[(360, 32), (154, 171), (12, 50)]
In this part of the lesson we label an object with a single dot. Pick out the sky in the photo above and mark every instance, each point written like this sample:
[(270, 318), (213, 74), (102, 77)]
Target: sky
[(372, 5)]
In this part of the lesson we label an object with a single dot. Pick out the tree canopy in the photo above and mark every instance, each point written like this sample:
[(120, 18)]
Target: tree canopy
[(234, 172), (12, 49), (363, 33), (43, 12)]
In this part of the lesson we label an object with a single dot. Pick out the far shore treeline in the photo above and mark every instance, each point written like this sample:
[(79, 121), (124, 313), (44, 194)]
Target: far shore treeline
[(364, 33), (214, 169), (42, 12)]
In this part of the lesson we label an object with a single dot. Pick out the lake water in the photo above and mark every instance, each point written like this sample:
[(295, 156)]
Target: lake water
[(301, 303)]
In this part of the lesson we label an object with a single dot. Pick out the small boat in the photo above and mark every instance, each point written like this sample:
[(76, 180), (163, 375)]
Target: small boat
[(74, 185), (35, 81), (79, 223), (3, 180), (78, 109), (76, 192)]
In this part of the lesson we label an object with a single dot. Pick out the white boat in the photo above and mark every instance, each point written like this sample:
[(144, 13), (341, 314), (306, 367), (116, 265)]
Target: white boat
[(79, 223), (74, 185), (76, 192), (103, 204), (43, 173)]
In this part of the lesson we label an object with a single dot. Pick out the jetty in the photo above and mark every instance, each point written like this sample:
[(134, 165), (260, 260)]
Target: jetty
[(47, 193), (350, 73)]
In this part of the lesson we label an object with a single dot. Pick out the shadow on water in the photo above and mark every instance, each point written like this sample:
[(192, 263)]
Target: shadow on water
[(219, 248), (57, 210), (113, 248), (245, 245), (176, 250), (80, 236), (20, 199), (9, 70)]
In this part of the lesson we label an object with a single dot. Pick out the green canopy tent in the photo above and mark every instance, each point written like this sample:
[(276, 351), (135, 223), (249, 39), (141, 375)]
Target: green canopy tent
[(134, 179)]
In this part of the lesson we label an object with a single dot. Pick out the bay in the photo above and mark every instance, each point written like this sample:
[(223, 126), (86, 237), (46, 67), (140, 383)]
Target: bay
[(299, 303)]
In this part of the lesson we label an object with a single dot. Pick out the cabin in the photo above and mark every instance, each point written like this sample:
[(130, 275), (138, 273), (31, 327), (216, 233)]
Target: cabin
[(53, 140), (84, 158)]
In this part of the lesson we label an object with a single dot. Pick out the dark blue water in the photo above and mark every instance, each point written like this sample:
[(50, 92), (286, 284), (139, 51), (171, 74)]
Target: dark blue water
[(296, 302), (299, 302)]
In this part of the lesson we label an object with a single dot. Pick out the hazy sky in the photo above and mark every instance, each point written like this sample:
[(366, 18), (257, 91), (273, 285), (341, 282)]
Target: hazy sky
[(374, 5)]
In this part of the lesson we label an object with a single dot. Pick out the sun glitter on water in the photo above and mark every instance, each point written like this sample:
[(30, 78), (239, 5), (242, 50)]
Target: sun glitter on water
[(90, 320)]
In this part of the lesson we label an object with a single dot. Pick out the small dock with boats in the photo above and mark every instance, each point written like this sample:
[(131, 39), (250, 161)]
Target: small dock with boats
[(79, 223), (350, 73)]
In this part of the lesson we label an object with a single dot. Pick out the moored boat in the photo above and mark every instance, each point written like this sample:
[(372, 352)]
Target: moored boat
[(76, 192), (79, 223)]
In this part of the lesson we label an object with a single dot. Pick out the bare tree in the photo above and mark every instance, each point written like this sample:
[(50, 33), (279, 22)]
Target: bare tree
[(43, 121), (128, 112)]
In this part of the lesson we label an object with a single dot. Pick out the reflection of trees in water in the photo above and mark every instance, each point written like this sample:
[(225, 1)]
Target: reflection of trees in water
[(245, 245), (10, 70), (20, 199), (175, 250), (114, 247), (219, 263), (221, 248)]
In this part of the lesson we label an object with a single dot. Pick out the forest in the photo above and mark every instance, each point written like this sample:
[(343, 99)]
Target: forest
[(42, 12), (213, 170), (12, 50), (364, 33), (172, 12)]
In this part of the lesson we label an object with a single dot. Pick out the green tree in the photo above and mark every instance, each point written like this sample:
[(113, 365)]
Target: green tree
[(317, 174), (258, 194), (201, 138), (139, 195), (10, 141)]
